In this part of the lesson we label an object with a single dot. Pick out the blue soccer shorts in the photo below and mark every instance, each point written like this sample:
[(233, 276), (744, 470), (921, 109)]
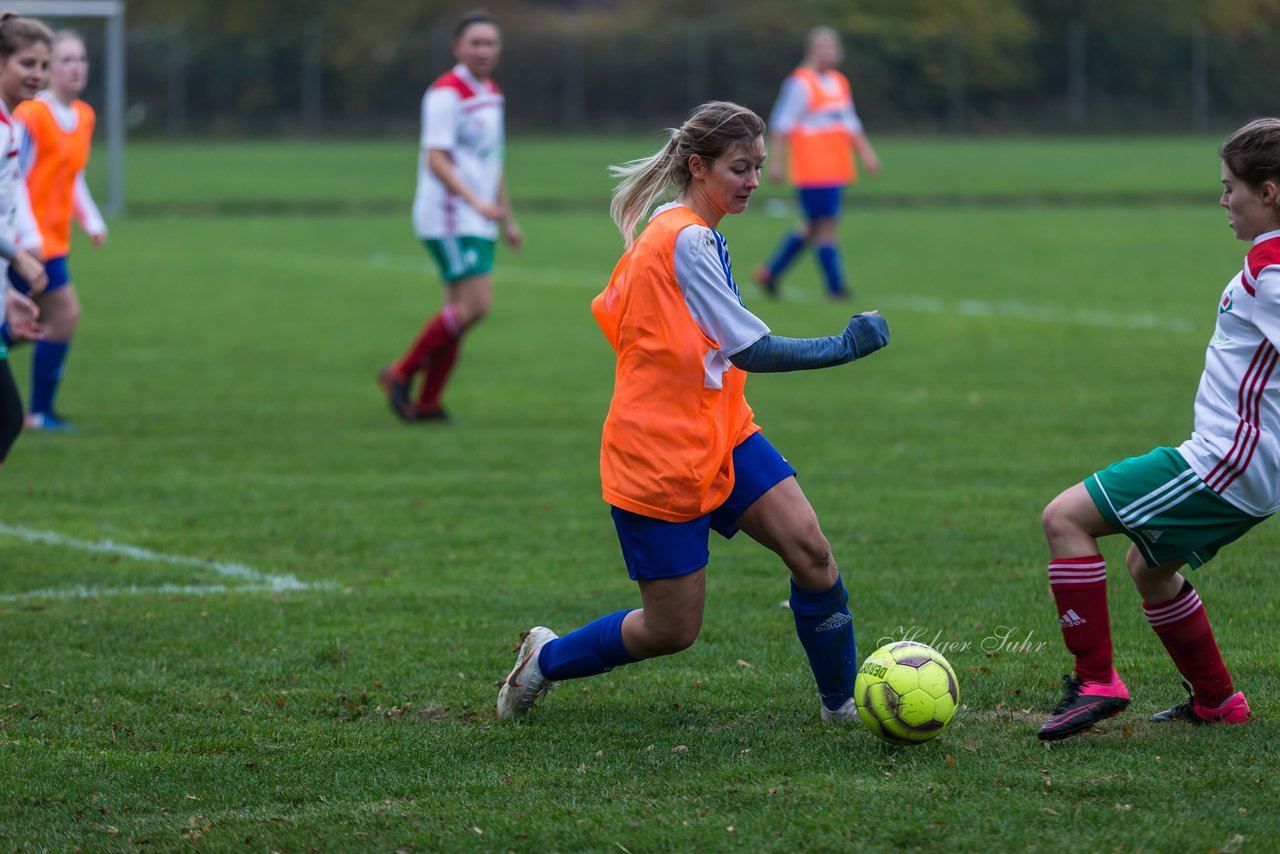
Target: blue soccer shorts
[(655, 548)]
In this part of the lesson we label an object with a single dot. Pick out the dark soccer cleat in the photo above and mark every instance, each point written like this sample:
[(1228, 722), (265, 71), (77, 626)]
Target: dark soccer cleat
[(397, 392), (1083, 705), (439, 415), (1234, 710), (766, 280)]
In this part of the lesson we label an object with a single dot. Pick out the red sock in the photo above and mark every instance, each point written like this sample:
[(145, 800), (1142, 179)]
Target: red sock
[(437, 375), (1079, 586), (439, 331), (1183, 628)]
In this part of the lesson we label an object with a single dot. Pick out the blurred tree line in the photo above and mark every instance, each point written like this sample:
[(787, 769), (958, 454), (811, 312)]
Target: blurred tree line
[(344, 67)]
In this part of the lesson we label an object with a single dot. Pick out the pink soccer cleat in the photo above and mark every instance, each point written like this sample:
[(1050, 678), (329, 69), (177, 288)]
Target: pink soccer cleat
[(1083, 705), (1234, 710)]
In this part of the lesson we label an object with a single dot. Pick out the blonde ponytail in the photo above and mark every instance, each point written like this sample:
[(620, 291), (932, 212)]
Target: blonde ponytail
[(643, 183), (711, 130)]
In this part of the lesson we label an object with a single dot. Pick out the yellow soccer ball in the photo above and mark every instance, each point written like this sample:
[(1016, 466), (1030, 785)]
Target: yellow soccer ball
[(906, 692)]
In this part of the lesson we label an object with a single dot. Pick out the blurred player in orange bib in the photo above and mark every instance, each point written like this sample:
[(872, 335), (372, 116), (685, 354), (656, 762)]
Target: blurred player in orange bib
[(59, 134), (814, 122)]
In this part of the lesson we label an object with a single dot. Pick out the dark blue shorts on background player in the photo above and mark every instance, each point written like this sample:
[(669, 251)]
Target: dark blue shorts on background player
[(55, 268), (49, 357), (820, 202)]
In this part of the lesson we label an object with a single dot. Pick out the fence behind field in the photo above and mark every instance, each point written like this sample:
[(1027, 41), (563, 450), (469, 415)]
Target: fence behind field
[(567, 75)]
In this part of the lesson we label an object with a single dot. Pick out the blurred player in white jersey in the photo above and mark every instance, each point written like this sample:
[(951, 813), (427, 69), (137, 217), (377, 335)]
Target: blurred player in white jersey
[(459, 210), (24, 61), (1179, 506)]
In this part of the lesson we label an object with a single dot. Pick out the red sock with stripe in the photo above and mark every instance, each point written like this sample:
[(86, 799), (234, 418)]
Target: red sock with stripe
[(437, 374), (1079, 587), (438, 332), (1183, 627)]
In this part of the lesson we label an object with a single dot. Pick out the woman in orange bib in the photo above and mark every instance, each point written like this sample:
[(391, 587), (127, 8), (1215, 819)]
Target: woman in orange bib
[(681, 453), (59, 129), (815, 124)]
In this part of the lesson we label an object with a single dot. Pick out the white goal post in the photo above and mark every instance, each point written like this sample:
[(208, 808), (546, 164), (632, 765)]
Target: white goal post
[(113, 13)]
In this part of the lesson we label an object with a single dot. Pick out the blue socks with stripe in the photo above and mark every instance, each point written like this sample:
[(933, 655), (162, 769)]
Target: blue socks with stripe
[(823, 625), (825, 629), (787, 252), (595, 648), (829, 261), (46, 373)]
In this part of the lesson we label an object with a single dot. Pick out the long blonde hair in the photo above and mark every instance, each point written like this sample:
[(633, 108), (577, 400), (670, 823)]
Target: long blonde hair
[(711, 130)]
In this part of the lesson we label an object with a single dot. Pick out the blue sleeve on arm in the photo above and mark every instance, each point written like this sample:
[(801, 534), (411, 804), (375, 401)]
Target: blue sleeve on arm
[(865, 334)]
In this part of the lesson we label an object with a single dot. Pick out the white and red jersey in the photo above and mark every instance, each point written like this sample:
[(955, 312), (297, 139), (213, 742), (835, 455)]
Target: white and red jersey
[(464, 117), (16, 219), (17, 224), (1235, 447)]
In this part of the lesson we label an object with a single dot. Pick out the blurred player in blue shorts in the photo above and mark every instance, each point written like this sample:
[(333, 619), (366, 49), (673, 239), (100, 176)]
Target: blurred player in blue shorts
[(59, 134), (814, 124)]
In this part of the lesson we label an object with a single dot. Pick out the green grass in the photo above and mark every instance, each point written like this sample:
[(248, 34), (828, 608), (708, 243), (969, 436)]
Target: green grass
[(558, 171), (223, 384)]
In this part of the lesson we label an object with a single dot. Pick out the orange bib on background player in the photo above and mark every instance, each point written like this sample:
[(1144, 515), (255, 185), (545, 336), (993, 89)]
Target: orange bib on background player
[(667, 449), (60, 156), (819, 148)]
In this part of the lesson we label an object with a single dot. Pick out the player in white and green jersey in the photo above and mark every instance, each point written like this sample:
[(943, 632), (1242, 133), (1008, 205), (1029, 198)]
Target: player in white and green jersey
[(1179, 506), (459, 210)]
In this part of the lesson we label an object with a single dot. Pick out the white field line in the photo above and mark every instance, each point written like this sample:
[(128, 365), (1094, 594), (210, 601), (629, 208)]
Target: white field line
[(1002, 308), (82, 592), (252, 579)]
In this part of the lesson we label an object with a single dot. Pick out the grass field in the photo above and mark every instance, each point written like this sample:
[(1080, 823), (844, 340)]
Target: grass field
[(243, 607)]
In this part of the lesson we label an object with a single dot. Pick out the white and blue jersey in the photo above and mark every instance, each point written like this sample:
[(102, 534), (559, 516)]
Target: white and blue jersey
[(705, 277)]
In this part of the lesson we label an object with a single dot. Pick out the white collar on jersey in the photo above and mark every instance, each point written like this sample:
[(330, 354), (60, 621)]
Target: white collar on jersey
[(465, 73), (65, 114)]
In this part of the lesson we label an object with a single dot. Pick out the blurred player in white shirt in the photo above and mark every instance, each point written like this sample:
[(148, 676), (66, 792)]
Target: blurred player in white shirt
[(460, 208), (24, 61)]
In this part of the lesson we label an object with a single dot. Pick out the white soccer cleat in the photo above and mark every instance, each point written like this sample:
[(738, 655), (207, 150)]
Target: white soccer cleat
[(847, 712), (525, 683)]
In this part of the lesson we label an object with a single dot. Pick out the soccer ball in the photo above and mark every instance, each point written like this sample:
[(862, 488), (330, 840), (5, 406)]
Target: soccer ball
[(906, 692)]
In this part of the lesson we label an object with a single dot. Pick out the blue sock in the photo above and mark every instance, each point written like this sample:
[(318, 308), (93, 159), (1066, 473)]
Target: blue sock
[(46, 373), (595, 648), (829, 260), (786, 253), (826, 633), (5, 334)]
